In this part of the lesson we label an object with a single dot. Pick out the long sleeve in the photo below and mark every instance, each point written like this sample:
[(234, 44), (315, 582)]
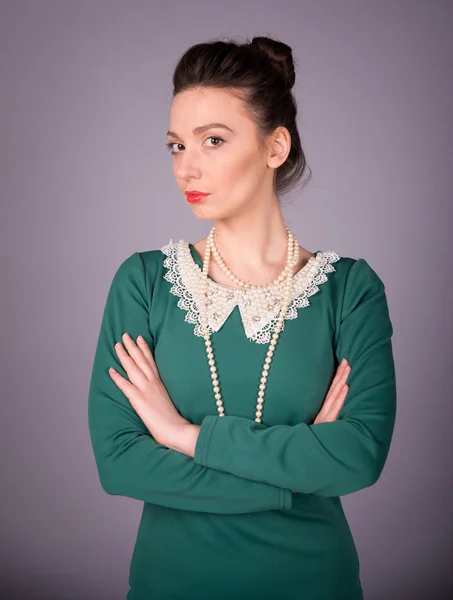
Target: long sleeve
[(331, 458), (129, 460)]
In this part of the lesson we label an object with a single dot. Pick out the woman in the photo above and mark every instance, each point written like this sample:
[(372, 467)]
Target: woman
[(218, 395)]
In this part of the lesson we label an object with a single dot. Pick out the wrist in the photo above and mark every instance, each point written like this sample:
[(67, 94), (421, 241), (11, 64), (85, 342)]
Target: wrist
[(184, 438)]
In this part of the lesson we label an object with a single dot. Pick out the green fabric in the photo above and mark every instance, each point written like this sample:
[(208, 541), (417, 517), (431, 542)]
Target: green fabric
[(225, 524)]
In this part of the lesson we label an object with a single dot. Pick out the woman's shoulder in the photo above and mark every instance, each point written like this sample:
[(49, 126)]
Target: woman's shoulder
[(140, 268), (359, 271), (151, 258), (350, 269), (349, 281)]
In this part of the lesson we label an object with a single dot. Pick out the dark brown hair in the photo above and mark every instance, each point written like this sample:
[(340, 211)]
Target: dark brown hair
[(259, 72)]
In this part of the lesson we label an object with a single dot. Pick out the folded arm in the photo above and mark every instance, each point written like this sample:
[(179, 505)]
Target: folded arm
[(128, 459), (332, 458)]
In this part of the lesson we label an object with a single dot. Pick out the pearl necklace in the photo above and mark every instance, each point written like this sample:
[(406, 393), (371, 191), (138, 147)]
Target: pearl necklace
[(292, 260), (244, 284)]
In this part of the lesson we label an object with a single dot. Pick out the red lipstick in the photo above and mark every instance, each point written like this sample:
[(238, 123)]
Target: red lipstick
[(196, 196)]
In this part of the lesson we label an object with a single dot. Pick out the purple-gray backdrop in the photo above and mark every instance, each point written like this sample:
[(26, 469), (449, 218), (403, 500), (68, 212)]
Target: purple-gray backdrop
[(86, 181)]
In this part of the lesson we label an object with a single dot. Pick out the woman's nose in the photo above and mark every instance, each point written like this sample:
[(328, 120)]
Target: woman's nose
[(187, 165)]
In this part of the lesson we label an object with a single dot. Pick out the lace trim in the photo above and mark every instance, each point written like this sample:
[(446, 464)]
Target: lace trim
[(259, 309)]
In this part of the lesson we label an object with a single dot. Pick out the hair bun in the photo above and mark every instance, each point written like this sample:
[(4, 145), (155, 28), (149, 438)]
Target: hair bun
[(279, 54)]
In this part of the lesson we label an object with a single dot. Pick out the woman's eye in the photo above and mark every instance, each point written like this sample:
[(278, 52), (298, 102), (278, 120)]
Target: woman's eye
[(170, 147), (211, 137), (214, 137)]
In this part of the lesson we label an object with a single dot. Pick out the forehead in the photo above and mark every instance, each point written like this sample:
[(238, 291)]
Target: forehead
[(196, 107)]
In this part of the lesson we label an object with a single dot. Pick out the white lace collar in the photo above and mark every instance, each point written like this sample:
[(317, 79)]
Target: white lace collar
[(258, 308)]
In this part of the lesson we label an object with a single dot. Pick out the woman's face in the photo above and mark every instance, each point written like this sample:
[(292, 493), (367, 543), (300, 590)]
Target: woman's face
[(229, 164)]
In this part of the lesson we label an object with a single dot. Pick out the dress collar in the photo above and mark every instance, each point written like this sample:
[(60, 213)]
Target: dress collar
[(259, 308)]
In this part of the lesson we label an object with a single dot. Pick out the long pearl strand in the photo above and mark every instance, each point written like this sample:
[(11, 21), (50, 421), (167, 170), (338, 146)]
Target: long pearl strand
[(244, 284), (293, 259)]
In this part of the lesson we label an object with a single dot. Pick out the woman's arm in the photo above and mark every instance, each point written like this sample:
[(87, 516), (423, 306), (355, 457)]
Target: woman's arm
[(129, 461), (333, 458)]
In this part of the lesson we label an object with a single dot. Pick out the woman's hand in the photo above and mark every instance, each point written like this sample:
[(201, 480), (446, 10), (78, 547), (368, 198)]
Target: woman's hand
[(334, 400), (145, 390)]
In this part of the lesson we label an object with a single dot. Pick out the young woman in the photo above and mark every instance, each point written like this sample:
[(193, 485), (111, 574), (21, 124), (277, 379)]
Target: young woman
[(241, 384)]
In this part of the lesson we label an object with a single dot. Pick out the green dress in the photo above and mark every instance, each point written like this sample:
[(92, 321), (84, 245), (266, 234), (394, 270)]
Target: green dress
[(226, 524)]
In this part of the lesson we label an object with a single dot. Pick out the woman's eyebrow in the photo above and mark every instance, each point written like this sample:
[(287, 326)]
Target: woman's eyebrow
[(203, 128)]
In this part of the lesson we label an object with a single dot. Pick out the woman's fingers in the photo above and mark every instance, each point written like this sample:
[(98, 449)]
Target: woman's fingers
[(134, 362), (335, 396), (337, 382), (148, 355), (339, 377), (336, 385), (336, 407)]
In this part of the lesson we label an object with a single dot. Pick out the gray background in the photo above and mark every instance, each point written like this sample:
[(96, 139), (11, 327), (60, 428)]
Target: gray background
[(86, 181)]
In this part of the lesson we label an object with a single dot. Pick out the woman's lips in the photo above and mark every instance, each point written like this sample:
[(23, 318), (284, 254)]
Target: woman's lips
[(195, 196)]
